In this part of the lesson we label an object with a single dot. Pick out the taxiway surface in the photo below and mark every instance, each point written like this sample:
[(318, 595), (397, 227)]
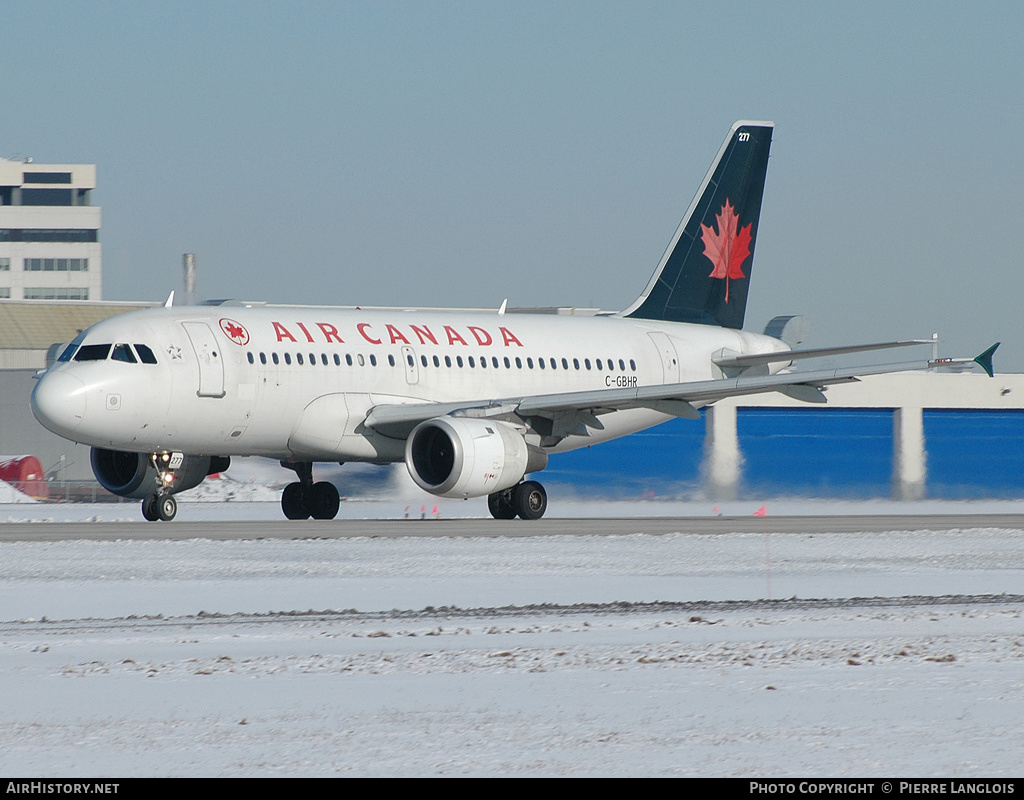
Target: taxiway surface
[(234, 530)]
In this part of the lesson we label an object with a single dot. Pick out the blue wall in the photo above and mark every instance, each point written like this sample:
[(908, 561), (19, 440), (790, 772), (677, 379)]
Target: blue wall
[(974, 453), (806, 452), (664, 460), (816, 452)]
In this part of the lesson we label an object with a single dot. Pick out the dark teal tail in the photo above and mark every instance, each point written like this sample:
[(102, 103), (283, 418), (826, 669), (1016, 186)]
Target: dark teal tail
[(705, 272)]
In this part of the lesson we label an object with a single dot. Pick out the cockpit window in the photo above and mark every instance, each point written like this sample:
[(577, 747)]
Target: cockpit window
[(93, 352), (123, 352), (145, 354), (69, 351)]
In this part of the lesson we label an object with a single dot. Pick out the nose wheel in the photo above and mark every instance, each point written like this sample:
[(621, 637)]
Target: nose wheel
[(159, 507)]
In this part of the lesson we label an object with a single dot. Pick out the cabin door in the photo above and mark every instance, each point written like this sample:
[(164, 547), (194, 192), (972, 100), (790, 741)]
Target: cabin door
[(669, 357), (412, 372), (211, 360)]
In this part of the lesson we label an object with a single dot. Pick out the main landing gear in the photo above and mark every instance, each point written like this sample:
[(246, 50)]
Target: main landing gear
[(159, 507), (306, 499), (528, 500)]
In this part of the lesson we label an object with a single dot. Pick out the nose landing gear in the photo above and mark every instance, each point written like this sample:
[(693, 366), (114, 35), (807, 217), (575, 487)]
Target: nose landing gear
[(159, 507)]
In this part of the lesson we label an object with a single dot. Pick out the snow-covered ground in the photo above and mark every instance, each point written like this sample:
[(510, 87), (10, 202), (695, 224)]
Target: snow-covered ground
[(10, 495), (401, 656)]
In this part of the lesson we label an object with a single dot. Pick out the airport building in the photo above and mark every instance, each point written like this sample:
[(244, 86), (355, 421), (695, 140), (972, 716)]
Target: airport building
[(49, 232), (908, 436)]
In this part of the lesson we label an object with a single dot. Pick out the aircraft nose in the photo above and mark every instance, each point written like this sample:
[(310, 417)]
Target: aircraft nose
[(58, 402)]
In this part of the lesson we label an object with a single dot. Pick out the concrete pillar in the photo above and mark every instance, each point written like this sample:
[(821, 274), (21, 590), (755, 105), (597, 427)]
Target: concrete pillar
[(909, 465), (722, 459)]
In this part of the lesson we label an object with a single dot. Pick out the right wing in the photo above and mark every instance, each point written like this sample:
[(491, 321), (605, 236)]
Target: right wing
[(573, 412)]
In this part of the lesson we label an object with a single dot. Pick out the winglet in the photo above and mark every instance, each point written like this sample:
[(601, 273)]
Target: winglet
[(985, 359), (170, 300)]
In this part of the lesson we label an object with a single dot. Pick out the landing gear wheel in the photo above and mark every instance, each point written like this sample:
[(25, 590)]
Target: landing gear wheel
[(323, 501), (529, 500), (149, 508), (500, 505), (294, 501), (166, 508)]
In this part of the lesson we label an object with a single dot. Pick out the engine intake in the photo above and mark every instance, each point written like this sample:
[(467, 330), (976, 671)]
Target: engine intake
[(133, 474), (463, 457)]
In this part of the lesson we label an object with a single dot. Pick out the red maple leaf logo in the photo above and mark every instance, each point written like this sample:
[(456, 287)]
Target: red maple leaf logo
[(727, 248), (235, 331)]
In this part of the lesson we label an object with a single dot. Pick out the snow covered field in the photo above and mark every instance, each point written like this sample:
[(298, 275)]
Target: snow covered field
[(403, 657), (551, 656)]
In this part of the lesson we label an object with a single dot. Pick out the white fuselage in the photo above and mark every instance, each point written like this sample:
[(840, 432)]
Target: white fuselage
[(298, 382)]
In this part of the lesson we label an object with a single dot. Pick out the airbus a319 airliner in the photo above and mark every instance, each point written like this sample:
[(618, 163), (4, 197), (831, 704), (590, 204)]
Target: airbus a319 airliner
[(472, 402)]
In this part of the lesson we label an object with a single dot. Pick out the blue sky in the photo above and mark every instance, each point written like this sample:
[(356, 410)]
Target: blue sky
[(456, 154)]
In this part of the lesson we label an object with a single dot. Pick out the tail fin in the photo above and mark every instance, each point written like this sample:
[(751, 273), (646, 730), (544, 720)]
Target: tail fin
[(704, 275)]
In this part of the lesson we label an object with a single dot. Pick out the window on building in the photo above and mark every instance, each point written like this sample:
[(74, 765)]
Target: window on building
[(56, 293), (47, 197), (46, 177), (56, 265), (49, 235), (5, 264)]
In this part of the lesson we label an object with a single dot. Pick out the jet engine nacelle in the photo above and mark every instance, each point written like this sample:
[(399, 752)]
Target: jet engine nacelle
[(134, 474), (466, 457)]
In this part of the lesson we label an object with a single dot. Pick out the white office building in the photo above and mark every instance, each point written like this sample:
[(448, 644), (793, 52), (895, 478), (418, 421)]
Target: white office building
[(49, 232)]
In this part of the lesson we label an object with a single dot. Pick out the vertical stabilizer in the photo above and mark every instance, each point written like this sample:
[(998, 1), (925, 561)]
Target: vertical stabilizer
[(705, 272)]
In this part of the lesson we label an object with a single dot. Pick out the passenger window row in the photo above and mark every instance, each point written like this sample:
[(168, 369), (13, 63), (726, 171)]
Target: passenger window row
[(471, 361)]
